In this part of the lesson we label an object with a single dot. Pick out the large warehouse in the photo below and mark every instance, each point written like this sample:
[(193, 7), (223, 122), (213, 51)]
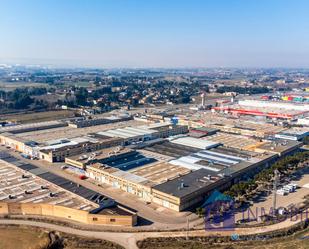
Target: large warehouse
[(54, 141), (161, 162), (192, 169), (268, 109)]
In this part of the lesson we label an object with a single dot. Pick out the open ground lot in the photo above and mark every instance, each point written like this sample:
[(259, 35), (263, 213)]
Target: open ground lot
[(9, 86), (22, 238), (13, 237), (38, 116), (298, 241)]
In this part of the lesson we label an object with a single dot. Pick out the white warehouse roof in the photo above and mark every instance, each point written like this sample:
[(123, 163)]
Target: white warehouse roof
[(195, 142), (156, 125), (284, 105), (191, 164), (127, 132)]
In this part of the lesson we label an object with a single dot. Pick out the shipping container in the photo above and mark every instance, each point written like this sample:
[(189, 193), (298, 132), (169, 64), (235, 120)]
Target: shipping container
[(298, 99)]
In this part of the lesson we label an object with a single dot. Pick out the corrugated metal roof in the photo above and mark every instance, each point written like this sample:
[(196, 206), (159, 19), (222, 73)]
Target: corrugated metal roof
[(222, 155), (139, 130), (155, 125), (57, 146), (31, 125), (129, 177), (185, 162), (127, 132), (113, 133), (84, 139), (195, 142), (216, 158)]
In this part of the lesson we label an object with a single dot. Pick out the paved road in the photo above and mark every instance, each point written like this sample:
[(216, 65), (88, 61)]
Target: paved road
[(128, 240)]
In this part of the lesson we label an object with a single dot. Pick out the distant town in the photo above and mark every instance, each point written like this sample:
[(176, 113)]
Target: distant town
[(97, 91)]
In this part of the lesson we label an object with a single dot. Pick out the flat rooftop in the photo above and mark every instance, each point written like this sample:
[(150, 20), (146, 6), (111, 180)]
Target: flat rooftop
[(125, 175), (74, 142), (298, 131), (235, 152), (280, 146), (171, 149), (128, 132), (277, 105), (160, 172), (43, 136), (216, 159), (243, 125), (130, 161), (188, 184), (263, 111), (194, 142), (101, 154), (29, 126), (234, 141)]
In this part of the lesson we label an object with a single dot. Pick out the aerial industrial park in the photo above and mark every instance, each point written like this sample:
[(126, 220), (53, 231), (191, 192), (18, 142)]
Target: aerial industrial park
[(155, 166), (154, 124), (171, 160)]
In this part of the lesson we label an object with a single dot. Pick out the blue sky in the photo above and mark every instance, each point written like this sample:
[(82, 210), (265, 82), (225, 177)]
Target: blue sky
[(156, 33)]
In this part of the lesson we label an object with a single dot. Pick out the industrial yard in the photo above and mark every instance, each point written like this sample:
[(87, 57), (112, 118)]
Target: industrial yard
[(167, 161)]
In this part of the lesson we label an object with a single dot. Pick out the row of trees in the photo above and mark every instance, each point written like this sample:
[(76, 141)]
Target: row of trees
[(21, 98), (243, 90), (265, 176)]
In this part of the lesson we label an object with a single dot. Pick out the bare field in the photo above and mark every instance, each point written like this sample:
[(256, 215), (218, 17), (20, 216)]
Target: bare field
[(299, 240), (38, 116), (9, 86), (20, 237)]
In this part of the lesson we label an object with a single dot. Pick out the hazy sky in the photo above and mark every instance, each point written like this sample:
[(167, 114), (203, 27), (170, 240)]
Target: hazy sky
[(158, 33)]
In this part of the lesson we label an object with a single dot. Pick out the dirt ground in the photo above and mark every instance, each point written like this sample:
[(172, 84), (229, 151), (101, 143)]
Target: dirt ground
[(10, 86), (38, 116), (16, 237), (300, 241), (22, 238)]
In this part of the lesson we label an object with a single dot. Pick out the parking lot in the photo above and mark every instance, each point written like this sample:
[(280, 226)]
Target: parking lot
[(294, 199), (51, 179), (19, 183)]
